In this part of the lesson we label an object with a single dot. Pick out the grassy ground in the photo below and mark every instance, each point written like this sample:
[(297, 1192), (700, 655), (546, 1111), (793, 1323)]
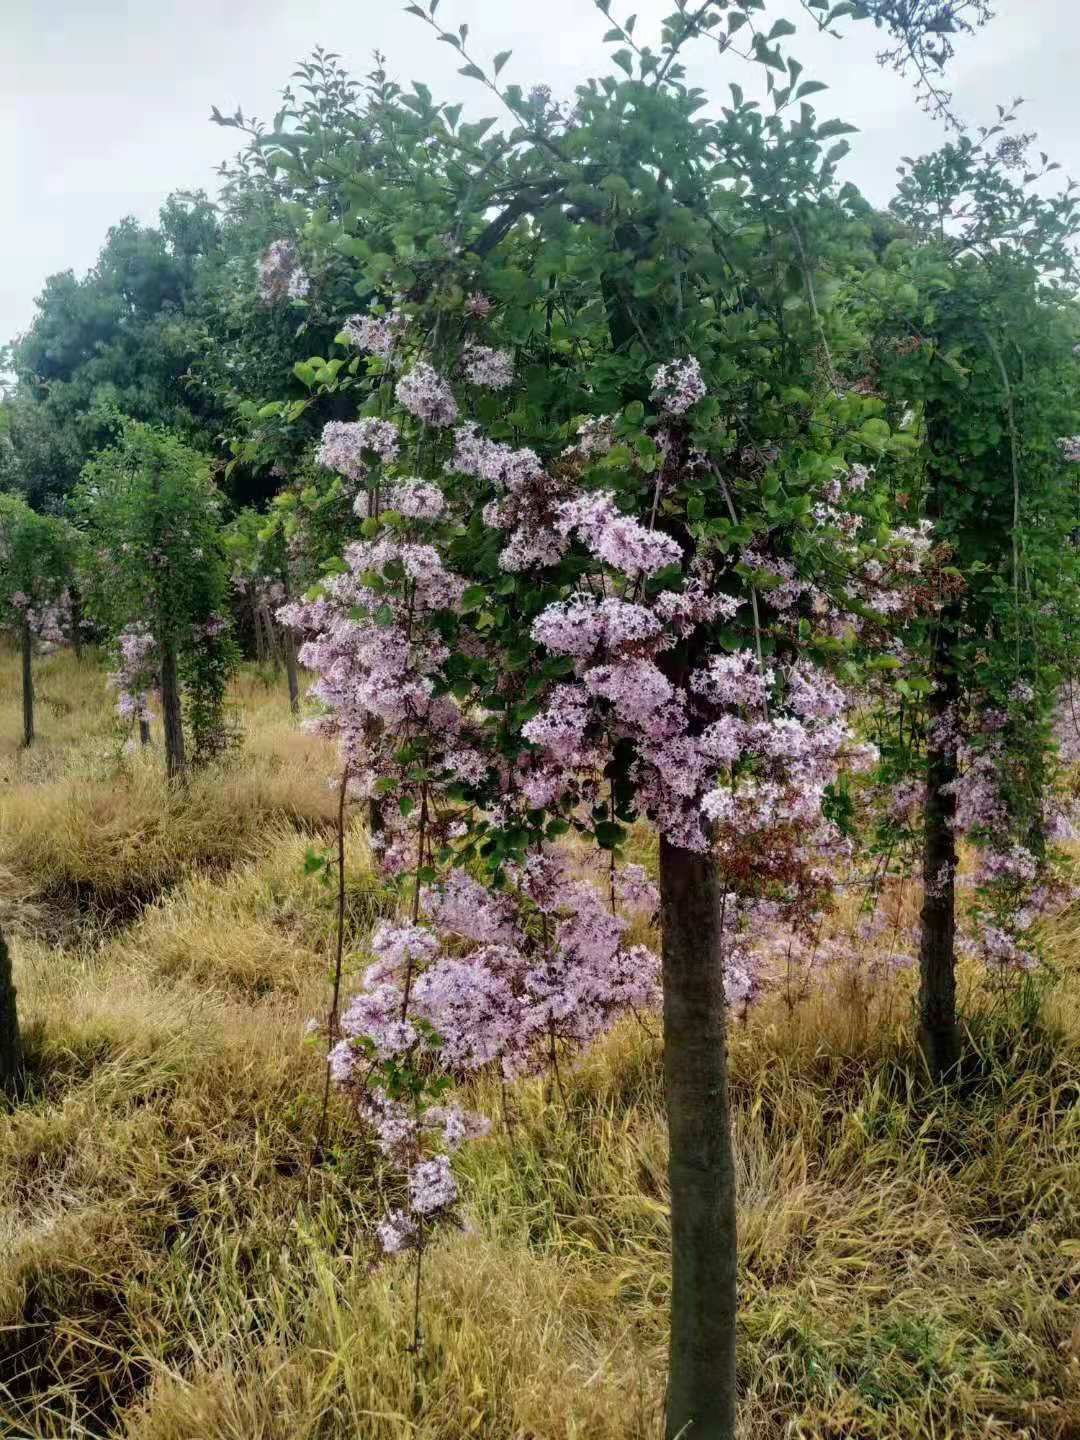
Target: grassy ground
[(910, 1262)]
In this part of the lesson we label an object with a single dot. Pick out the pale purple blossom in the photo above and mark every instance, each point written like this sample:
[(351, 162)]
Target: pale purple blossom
[(425, 394)]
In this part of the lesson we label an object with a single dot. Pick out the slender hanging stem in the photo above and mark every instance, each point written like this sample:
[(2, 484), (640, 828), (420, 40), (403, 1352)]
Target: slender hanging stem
[(332, 1016), (753, 588), (416, 895)]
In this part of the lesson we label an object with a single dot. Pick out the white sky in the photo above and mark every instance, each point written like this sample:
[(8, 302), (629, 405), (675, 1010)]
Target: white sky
[(104, 103)]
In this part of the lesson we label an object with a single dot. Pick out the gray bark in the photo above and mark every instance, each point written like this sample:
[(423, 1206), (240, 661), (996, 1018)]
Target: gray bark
[(701, 1384)]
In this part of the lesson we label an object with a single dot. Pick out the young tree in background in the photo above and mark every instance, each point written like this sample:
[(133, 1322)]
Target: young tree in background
[(979, 341), (37, 554), (257, 551), (152, 518)]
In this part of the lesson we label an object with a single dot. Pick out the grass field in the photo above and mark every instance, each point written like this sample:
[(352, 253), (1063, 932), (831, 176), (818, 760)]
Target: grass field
[(910, 1261)]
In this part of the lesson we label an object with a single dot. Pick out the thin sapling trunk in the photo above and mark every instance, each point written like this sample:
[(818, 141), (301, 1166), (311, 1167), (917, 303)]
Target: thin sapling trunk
[(27, 683), (10, 1045), (171, 714)]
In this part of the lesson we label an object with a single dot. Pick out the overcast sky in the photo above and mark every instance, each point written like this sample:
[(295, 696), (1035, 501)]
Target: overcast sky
[(104, 103)]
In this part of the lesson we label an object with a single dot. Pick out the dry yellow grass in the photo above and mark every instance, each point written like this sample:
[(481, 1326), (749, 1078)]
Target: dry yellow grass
[(910, 1262), (264, 928), (86, 820)]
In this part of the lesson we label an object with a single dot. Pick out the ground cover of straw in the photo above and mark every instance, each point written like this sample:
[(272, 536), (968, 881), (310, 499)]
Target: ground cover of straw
[(910, 1261)]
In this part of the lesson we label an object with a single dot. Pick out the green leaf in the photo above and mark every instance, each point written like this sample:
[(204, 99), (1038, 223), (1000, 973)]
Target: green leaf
[(835, 127), (781, 27), (625, 61), (609, 835), (472, 72), (501, 59)]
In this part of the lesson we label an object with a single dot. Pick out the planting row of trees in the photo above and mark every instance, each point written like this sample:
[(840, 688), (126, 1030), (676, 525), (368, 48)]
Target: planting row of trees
[(141, 564), (644, 474)]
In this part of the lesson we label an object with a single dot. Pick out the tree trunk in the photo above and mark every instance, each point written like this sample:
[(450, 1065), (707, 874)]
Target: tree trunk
[(939, 1032), (76, 621), (144, 731), (701, 1383), (171, 716), (291, 671), (10, 1048), (256, 620), (271, 637), (27, 683)]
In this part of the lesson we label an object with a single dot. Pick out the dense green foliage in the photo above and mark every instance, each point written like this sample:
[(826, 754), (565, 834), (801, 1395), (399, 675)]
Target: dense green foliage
[(152, 520)]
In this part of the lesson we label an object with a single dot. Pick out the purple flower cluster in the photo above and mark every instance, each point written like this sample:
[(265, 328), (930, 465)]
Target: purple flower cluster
[(345, 446), (678, 385), (490, 369), (280, 275), (377, 333), (425, 394), (136, 673)]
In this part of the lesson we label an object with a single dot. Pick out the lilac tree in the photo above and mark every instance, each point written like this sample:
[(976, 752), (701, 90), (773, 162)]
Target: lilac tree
[(155, 581), (618, 535)]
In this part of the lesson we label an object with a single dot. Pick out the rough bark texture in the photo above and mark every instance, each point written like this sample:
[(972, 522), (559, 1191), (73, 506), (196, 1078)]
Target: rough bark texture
[(939, 1032), (701, 1384), (171, 715), (10, 1048), (27, 683)]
